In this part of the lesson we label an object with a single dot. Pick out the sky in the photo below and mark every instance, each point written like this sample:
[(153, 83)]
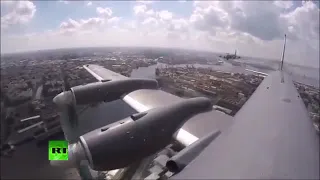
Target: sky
[(254, 28)]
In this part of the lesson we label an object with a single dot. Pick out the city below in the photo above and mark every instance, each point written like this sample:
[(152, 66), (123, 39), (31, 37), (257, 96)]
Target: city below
[(29, 82)]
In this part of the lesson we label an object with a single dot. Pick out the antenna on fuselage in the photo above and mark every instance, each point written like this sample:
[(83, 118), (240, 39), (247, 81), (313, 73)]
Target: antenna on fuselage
[(284, 49)]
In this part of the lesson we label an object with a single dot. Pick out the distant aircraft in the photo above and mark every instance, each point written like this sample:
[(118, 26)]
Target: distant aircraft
[(271, 137)]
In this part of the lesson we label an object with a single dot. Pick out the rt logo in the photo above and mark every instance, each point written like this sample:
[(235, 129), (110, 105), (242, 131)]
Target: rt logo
[(58, 150)]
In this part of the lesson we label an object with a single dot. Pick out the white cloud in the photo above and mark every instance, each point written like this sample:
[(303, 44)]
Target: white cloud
[(89, 3), (139, 9), (70, 24), (178, 25), (259, 19), (114, 20), (253, 28), (130, 25), (150, 20), (145, 2), (72, 27), (105, 12), (209, 18), (92, 23), (64, 1), (103, 21), (303, 26), (165, 15), (7, 3), (21, 13), (283, 4), (258, 28), (303, 22), (150, 12)]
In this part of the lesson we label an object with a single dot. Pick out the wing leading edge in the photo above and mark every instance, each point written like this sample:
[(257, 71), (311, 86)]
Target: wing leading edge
[(145, 99)]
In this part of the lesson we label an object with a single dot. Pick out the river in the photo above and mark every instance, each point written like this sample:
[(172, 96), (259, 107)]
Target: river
[(149, 72), (304, 75), (30, 161)]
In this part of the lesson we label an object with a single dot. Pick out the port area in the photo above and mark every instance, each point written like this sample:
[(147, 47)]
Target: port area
[(228, 91)]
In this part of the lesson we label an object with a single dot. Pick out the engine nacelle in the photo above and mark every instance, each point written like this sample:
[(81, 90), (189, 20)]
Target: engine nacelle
[(122, 143)]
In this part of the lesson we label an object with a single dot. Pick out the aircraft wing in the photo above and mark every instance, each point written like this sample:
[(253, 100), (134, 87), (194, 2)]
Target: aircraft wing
[(145, 99), (271, 138), (102, 74)]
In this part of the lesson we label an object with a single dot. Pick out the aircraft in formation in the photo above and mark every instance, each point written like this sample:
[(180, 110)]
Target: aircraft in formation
[(271, 137)]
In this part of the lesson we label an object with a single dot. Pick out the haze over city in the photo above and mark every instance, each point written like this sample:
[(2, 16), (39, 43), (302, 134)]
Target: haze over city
[(253, 28)]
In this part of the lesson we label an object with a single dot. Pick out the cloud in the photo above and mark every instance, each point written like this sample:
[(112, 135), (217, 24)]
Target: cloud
[(153, 22), (99, 23), (139, 9), (303, 22), (145, 2), (150, 20), (92, 23), (178, 25), (21, 13), (261, 26), (64, 1), (105, 12), (114, 20), (257, 19), (283, 4), (89, 3), (69, 24), (7, 3), (253, 28), (72, 26), (165, 15), (263, 21), (208, 18)]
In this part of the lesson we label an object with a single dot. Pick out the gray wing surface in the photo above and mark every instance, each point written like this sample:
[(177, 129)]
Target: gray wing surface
[(271, 138), (101, 73), (145, 99)]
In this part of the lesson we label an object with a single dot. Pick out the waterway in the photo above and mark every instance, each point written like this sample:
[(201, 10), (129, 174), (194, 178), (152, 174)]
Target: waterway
[(149, 72), (30, 161), (304, 75)]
